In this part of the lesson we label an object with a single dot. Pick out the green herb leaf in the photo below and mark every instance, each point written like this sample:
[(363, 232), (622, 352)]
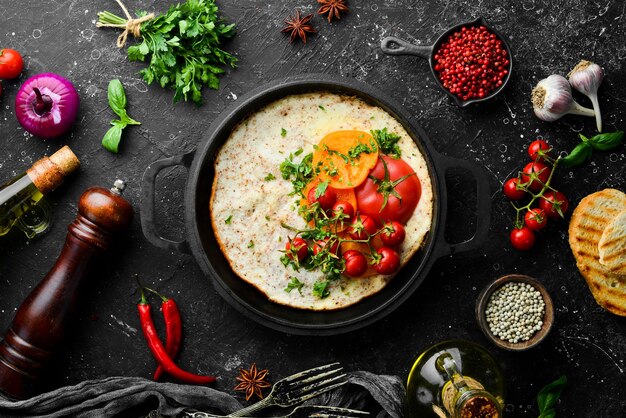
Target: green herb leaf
[(111, 139), (322, 107), (251, 244), (294, 284), (283, 132), (299, 174), (607, 141), (117, 97), (320, 289), (228, 220), (321, 189), (269, 177), (361, 148), (548, 396), (387, 142), (579, 155)]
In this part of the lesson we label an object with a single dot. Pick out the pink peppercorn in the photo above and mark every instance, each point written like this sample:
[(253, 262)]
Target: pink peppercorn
[(472, 63)]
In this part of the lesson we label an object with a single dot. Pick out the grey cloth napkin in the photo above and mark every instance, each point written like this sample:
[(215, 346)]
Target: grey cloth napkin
[(118, 396)]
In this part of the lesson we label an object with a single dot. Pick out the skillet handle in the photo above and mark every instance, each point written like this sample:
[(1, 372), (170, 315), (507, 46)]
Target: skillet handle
[(396, 46), (147, 210), (483, 207)]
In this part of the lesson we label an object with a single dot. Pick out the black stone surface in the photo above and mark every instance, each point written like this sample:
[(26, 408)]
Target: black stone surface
[(587, 344)]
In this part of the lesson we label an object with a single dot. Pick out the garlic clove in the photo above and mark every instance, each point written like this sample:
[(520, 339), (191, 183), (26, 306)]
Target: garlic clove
[(586, 77)]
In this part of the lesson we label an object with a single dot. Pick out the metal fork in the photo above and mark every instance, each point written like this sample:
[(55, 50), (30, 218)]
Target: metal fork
[(303, 411), (297, 388)]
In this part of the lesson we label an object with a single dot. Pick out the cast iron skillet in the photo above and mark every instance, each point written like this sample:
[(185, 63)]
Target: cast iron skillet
[(396, 46), (201, 242)]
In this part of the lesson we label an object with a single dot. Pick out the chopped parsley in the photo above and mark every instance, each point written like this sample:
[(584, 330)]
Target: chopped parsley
[(322, 107), (298, 152), (283, 132), (269, 177), (294, 284), (320, 289), (344, 157), (321, 189), (299, 174), (251, 244), (362, 148), (228, 220), (387, 142)]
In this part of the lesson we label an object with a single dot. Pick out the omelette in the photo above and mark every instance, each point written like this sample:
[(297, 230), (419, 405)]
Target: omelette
[(251, 202)]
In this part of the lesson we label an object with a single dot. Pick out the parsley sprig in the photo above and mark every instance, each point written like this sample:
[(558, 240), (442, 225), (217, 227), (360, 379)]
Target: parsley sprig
[(300, 174), (387, 142), (181, 47)]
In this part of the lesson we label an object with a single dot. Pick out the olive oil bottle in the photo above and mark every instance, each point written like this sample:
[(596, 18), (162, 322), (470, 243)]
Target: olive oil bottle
[(21, 203)]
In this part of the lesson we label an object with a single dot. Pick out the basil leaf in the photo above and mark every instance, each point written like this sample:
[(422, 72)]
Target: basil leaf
[(112, 138), (607, 141), (578, 155), (549, 395), (117, 97)]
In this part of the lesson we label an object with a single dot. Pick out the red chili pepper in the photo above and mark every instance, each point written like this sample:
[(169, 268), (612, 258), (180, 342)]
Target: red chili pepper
[(173, 331), (158, 350)]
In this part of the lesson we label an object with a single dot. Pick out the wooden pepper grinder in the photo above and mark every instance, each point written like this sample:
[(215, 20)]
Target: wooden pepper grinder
[(40, 323)]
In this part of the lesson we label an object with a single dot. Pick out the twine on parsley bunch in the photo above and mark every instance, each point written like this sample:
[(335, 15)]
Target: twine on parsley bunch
[(130, 25)]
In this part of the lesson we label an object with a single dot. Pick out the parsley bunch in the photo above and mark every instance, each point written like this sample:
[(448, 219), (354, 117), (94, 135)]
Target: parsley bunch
[(182, 47)]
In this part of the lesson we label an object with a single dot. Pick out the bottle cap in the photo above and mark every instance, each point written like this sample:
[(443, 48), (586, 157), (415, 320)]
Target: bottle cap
[(48, 173)]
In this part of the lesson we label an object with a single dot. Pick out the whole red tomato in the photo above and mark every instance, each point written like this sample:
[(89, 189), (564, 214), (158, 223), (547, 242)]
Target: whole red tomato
[(535, 146), (536, 219), (326, 199), (393, 233), (356, 264), (389, 261), (555, 205), (511, 191), (522, 238), (391, 191), (346, 208), (541, 170), (362, 227), (297, 247), (11, 64)]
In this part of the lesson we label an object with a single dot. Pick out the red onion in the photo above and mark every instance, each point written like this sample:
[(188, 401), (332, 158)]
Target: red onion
[(46, 105)]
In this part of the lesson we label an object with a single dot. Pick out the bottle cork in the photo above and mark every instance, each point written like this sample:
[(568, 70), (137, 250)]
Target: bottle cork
[(48, 173)]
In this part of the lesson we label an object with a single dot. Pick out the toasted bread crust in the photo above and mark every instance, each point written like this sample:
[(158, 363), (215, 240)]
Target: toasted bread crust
[(612, 245), (589, 220)]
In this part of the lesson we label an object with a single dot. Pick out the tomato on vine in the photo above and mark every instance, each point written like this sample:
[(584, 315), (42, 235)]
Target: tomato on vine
[(356, 264), (392, 233), (321, 244), (345, 208), (324, 195), (536, 219), (362, 228), (537, 174), (554, 204), (11, 64), (386, 261), (522, 238), (512, 190), (536, 146), (296, 248)]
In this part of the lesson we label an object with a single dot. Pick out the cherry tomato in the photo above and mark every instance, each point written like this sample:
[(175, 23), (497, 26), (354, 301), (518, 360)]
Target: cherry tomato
[(346, 208), (11, 64), (389, 261), (299, 248), (536, 219), (552, 202), (535, 146), (356, 264), (362, 227), (511, 191), (326, 199), (393, 233), (321, 244), (522, 238), (397, 179), (543, 174)]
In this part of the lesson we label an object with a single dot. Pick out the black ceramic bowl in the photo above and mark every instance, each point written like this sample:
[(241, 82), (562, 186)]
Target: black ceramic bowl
[(201, 242), (392, 45)]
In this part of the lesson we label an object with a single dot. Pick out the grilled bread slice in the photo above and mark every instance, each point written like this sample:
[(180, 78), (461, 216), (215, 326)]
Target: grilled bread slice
[(612, 245), (588, 222)]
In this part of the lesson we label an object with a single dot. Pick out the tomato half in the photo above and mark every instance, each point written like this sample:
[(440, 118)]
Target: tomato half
[(11, 64), (391, 191)]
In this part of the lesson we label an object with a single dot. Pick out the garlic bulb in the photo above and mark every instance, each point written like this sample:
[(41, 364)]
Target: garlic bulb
[(552, 98), (586, 77)]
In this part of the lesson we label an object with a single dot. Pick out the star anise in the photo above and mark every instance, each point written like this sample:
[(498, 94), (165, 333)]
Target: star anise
[(252, 381), (334, 8), (298, 26)]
